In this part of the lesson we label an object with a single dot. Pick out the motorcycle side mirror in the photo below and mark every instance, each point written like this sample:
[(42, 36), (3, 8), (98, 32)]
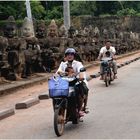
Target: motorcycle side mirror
[(82, 69)]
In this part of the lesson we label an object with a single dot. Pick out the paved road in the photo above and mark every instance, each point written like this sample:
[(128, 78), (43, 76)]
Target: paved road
[(114, 113), (24, 93)]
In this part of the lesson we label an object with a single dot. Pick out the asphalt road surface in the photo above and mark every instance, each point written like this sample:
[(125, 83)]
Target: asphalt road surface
[(114, 113)]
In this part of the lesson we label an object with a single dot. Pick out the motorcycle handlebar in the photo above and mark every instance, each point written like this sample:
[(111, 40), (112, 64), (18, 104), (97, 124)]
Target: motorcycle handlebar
[(107, 59)]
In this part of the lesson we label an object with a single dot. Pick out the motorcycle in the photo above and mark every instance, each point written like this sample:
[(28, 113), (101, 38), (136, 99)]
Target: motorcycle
[(108, 74), (65, 101)]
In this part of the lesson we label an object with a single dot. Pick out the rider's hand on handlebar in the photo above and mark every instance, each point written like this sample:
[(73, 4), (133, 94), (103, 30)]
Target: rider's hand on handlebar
[(71, 74), (81, 79), (63, 74), (114, 58)]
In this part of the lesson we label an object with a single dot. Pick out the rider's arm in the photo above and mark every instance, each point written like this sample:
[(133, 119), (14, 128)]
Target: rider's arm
[(100, 56), (113, 50), (61, 69), (101, 53), (114, 57), (113, 53), (81, 74)]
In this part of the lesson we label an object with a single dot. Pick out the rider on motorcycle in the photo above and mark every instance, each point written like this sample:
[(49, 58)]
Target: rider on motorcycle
[(108, 51), (70, 67)]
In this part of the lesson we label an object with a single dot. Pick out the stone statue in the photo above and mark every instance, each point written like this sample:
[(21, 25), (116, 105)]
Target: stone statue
[(32, 49), (86, 31), (63, 31), (65, 41), (105, 33), (79, 42), (53, 43), (13, 48), (4, 66), (41, 33), (53, 39), (96, 32), (27, 28), (72, 32), (41, 30)]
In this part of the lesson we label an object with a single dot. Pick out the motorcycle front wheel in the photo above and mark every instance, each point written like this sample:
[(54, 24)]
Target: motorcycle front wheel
[(106, 80), (59, 120), (110, 78)]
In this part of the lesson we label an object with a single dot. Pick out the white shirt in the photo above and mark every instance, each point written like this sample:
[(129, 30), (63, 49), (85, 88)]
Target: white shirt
[(104, 50), (76, 67)]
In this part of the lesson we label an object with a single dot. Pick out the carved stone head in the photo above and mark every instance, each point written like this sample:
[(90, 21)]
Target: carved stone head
[(96, 31), (41, 29), (27, 28), (53, 29), (72, 31), (10, 28), (63, 31)]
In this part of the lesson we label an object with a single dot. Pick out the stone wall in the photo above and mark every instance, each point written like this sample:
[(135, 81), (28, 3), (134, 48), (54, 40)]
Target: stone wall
[(124, 23)]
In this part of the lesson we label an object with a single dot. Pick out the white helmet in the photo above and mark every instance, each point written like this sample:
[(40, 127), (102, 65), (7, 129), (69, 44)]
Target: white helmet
[(70, 50)]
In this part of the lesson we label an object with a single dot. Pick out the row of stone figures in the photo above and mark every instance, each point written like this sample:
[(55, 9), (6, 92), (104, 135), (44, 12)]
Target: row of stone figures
[(44, 50)]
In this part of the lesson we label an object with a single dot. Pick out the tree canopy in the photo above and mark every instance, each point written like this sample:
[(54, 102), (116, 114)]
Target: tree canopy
[(54, 9)]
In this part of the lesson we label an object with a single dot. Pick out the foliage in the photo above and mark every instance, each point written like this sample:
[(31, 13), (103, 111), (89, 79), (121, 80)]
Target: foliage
[(105, 15), (15, 8), (107, 7), (127, 12), (38, 11), (82, 8), (18, 9), (55, 13), (138, 14), (131, 4), (54, 9)]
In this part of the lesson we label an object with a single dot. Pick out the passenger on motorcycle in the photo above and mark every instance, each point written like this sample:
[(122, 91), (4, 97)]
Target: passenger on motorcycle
[(70, 67), (108, 51)]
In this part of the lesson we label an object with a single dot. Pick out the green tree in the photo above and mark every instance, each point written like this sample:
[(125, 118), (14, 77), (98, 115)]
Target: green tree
[(82, 8), (15, 8), (18, 9), (132, 4), (127, 12), (38, 11), (55, 13), (107, 7), (54, 9)]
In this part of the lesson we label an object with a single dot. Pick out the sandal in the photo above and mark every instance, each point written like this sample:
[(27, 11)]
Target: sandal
[(86, 110), (81, 113)]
